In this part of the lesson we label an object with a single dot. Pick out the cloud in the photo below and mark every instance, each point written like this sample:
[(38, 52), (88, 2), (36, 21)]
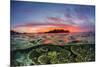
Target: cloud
[(55, 20)]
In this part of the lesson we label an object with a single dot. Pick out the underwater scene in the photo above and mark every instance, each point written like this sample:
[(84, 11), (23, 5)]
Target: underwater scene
[(51, 33)]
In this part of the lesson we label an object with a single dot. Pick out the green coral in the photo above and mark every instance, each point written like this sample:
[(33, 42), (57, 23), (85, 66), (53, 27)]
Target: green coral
[(24, 43), (20, 43), (43, 59), (83, 52), (53, 54), (21, 59)]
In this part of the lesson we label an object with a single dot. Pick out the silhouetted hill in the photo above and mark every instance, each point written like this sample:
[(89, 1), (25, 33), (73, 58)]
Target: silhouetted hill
[(14, 32), (58, 31)]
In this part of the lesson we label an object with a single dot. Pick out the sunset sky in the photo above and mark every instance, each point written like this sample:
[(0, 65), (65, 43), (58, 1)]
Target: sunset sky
[(32, 17)]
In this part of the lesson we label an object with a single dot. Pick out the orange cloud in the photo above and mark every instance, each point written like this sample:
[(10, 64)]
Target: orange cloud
[(46, 28)]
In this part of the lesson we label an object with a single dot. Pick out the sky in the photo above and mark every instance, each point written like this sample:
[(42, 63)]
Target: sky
[(36, 16)]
